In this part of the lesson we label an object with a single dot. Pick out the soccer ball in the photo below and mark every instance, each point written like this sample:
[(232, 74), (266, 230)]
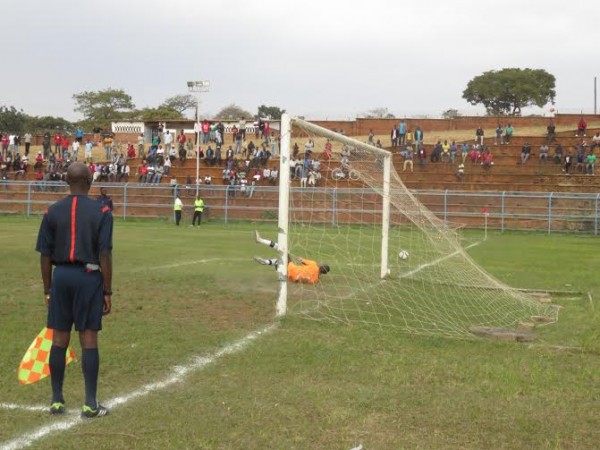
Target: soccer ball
[(403, 254)]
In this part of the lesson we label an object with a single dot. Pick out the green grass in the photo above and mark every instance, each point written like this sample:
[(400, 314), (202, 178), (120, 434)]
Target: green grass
[(307, 384)]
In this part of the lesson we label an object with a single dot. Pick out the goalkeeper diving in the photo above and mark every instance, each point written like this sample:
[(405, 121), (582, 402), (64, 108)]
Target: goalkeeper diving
[(303, 271)]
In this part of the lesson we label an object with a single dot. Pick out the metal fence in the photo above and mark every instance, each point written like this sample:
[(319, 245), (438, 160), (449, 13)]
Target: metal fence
[(543, 211)]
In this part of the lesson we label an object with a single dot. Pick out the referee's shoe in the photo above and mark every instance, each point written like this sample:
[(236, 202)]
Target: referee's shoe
[(88, 412)]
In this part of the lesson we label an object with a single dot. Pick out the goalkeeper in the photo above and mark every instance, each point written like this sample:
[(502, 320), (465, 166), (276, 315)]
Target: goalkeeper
[(305, 271)]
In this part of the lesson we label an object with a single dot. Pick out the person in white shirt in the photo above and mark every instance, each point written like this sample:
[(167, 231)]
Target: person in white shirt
[(141, 146), (124, 175), (595, 141), (112, 172), (160, 154), (167, 166), (242, 129), (167, 139), (75, 147), (11, 143), (88, 150), (97, 173), (197, 131), (27, 139), (172, 153)]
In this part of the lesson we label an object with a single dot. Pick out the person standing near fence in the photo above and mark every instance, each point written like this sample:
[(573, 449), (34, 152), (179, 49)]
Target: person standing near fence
[(178, 208), (198, 210), (105, 199), (27, 139)]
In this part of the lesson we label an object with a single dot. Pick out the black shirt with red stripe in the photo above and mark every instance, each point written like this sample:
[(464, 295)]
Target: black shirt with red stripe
[(75, 230)]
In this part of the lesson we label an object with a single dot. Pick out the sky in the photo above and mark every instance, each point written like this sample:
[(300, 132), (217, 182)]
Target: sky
[(321, 59)]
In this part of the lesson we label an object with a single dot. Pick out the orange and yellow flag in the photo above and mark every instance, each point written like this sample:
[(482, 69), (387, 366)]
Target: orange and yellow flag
[(35, 363)]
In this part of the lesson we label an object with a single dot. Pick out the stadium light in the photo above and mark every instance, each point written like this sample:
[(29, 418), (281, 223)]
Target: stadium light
[(197, 87)]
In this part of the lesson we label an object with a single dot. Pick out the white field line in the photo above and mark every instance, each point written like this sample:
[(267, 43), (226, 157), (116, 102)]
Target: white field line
[(178, 375), (189, 263), (14, 406)]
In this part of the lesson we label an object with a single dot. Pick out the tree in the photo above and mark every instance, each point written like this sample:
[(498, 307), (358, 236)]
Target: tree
[(103, 106), (156, 114), (233, 112), (378, 113), (12, 120), (450, 113), (509, 90), (48, 123), (270, 112), (179, 103)]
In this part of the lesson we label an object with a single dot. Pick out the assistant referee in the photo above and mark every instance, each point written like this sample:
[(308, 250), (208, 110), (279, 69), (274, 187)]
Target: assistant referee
[(76, 237)]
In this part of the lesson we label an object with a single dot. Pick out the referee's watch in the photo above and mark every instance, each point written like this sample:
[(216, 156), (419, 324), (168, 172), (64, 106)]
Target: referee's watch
[(107, 292)]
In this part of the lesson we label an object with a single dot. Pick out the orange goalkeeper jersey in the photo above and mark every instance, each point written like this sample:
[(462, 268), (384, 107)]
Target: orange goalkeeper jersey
[(306, 272)]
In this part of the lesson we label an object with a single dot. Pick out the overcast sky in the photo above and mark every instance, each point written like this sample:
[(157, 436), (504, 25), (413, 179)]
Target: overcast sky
[(321, 59)]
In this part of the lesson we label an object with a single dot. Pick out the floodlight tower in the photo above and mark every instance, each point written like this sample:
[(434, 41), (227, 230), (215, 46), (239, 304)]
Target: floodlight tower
[(197, 87)]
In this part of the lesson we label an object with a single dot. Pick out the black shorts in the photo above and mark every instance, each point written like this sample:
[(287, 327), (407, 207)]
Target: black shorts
[(76, 298)]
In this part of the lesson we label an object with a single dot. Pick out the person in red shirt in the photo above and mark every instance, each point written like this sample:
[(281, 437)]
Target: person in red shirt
[(39, 161), (181, 140), (328, 150), (5, 143), (205, 131), (57, 142), (487, 159), (130, 151), (301, 271), (64, 145), (143, 172), (581, 127)]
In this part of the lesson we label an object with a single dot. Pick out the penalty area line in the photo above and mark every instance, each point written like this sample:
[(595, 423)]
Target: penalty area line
[(179, 374)]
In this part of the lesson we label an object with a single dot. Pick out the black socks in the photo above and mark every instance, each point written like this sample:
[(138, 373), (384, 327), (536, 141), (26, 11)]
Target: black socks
[(57, 372), (90, 365)]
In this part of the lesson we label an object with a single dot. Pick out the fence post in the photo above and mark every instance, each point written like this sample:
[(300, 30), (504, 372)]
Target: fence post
[(125, 201), (446, 207), (28, 199), (596, 216), (334, 208), (502, 212), (550, 213), (175, 194), (227, 200)]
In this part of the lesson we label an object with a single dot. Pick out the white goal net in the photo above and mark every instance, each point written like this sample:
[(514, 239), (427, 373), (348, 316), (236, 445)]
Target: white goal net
[(336, 214)]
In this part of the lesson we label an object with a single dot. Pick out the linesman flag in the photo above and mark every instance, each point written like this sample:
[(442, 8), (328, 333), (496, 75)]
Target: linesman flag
[(35, 364)]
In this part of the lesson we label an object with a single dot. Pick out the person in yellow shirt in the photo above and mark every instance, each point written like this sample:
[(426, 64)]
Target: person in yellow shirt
[(300, 271), (178, 208), (198, 209)]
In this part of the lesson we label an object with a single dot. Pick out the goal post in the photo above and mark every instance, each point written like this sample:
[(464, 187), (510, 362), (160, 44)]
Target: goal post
[(392, 261), (283, 220), (284, 203)]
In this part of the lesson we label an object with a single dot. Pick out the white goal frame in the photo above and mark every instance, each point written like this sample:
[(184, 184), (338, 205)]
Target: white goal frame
[(284, 198)]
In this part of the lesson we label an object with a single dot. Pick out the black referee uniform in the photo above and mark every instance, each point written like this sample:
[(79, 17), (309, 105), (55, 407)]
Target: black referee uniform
[(74, 232)]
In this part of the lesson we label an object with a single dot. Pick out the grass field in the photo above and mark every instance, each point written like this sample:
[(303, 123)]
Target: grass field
[(181, 371)]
